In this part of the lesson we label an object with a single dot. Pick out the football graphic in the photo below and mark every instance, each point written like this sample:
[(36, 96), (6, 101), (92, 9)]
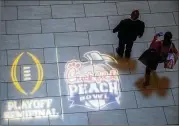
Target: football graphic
[(93, 84), (26, 73)]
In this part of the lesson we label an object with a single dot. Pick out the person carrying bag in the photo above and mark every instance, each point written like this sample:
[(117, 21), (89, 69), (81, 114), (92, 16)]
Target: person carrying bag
[(160, 51)]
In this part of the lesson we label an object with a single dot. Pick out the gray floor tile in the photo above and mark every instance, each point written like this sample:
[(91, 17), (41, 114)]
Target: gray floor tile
[(165, 6), (100, 9), (13, 93), (3, 91), (50, 71), (9, 13), (9, 42), (172, 29), (138, 49), (58, 25), (5, 75), (25, 59), (19, 3), (173, 78), (102, 37), (62, 69), (36, 41), (115, 20), (34, 12), (42, 2), (91, 23), (104, 49), (3, 58), (155, 99), (64, 87), (176, 17), (158, 19), (129, 6), (86, 1), (146, 116), (71, 119), (116, 117), (23, 26), (64, 11), (147, 36), (3, 27), (171, 114), (33, 122), (71, 39), (175, 93), (50, 55), (53, 87), (4, 122), (128, 82), (68, 53)]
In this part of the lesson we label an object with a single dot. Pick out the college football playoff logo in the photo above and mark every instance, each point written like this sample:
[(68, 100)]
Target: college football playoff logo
[(27, 76)]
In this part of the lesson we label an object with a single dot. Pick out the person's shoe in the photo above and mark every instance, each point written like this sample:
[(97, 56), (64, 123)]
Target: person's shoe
[(119, 54)]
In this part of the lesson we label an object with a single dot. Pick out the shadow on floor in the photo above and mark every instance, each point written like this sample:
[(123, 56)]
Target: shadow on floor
[(157, 83), (125, 65)]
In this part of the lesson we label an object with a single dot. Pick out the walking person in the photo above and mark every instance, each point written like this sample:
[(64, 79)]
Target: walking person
[(157, 53), (128, 30)]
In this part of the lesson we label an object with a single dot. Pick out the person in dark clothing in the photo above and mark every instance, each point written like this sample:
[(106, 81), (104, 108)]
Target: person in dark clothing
[(157, 53), (128, 30)]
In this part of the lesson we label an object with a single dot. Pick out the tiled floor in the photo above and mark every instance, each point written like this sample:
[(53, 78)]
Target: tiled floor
[(58, 31)]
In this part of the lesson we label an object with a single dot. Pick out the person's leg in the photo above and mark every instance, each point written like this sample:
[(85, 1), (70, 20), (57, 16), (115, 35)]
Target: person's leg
[(120, 49), (147, 77), (128, 50)]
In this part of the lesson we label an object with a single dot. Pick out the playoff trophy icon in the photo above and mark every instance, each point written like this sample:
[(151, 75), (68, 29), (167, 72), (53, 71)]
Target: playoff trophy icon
[(93, 84)]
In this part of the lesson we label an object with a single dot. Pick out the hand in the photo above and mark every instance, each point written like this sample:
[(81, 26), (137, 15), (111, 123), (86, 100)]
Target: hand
[(160, 34)]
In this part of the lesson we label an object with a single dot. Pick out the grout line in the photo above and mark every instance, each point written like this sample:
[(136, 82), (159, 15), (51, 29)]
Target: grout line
[(149, 6), (108, 23), (89, 38), (40, 27), (173, 95), (136, 99), (174, 18), (116, 8), (51, 11), (75, 25), (84, 10), (17, 12), (18, 36), (90, 16), (125, 110), (165, 115), (88, 117)]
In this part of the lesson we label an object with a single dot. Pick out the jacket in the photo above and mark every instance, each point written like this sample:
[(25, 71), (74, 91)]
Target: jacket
[(129, 29)]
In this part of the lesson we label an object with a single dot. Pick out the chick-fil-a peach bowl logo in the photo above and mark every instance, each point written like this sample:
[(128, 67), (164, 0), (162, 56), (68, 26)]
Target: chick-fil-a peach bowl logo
[(92, 84)]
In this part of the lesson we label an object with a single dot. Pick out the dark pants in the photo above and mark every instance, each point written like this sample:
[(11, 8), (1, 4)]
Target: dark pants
[(121, 48)]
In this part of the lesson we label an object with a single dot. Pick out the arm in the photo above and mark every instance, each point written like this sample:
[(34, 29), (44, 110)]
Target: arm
[(174, 50), (116, 29), (142, 28), (155, 38)]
